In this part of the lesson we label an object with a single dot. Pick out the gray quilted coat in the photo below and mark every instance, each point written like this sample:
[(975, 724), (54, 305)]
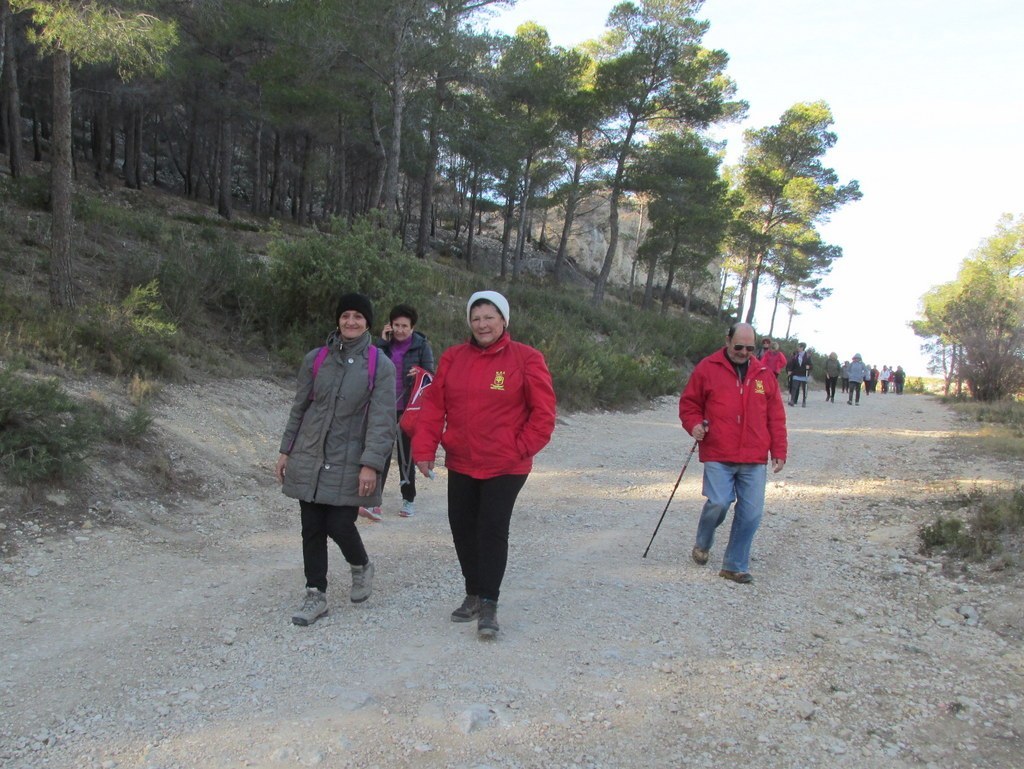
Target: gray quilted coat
[(329, 437)]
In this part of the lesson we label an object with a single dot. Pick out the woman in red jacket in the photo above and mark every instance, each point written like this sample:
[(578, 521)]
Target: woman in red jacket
[(492, 407)]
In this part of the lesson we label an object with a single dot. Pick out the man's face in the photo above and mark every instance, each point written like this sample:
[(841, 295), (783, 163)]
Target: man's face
[(744, 339)]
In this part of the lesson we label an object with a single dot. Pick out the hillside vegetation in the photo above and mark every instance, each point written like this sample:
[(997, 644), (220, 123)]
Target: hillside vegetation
[(172, 293)]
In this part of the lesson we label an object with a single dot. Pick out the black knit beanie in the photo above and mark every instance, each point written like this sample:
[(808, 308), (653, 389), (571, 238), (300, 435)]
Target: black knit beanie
[(358, 302)]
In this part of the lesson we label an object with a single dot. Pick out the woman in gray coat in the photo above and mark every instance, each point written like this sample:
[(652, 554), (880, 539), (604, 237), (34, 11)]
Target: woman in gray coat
[(340, 432)]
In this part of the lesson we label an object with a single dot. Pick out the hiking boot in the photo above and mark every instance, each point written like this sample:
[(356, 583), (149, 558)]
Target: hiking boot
[(468, 611), (737, 576), (314, 606), (487, 621), (362, 582), (371, 513), (699, 555), (408, 509)]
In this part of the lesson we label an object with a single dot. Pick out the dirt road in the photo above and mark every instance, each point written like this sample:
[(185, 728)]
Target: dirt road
[(155, 632)]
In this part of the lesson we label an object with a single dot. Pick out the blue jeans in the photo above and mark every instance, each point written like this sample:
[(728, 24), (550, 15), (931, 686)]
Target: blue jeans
[(725, 482)]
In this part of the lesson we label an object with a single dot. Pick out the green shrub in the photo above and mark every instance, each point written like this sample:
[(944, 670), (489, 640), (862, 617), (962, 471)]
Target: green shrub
[(29, 191), (44, 433), (914, 384), (306, 277), (991, 521), (130, 337)]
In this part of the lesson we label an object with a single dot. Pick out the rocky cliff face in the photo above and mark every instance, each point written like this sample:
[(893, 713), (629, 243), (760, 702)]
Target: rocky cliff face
[(588, 244)]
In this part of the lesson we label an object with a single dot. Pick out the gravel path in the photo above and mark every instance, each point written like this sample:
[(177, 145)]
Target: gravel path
[(155, 632)]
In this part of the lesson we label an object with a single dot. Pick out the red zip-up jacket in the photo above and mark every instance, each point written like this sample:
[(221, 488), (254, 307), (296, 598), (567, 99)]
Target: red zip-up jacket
[(492, 408), (746, 420)]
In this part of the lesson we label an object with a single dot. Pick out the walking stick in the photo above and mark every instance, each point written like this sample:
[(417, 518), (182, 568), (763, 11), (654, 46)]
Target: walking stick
[(670, 496)]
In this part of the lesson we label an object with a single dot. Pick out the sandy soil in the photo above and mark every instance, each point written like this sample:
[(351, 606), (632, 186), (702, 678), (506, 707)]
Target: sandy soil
[(155, 632)]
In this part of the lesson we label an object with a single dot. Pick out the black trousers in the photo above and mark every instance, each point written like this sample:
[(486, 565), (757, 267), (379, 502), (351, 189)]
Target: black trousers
[(830, 387), (795, 388), (406, 468), (320, 522), (846, 384), (479, 513), (854, 390)]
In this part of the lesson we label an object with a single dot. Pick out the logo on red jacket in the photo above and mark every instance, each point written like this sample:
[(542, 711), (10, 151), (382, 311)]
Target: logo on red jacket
[(759, 387), (499, 381)]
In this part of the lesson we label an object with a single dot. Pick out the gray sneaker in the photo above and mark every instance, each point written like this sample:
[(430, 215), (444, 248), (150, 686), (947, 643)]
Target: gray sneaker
[(362, 582), (487, 621), (468, 611), (313, 607)]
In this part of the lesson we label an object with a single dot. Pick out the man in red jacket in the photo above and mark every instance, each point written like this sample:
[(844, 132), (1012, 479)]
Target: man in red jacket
[(732, 406)]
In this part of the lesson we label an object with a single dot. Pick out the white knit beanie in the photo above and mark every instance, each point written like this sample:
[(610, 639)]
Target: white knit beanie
[(494, 298)]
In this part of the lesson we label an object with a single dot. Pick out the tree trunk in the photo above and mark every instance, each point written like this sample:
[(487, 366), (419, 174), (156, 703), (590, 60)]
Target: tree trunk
[(226, 152), (570, 207), (648, 299), (666, 295), (11, 96), (754, 282), (390, 201), (382, 157), (472, 212), (524, 212), (130, 170), (506, 232), (775, 309), (156, 149), (429, 176), (613, 215), (303, 183), (259, 171), (62, 287)]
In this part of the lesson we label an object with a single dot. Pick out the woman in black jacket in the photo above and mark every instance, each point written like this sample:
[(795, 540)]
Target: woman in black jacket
[(406, 348)]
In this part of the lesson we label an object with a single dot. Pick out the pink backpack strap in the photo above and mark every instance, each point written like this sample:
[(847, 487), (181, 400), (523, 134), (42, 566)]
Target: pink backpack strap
[(318, 361)]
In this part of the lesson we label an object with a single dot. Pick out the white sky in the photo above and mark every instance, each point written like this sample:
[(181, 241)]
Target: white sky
[(928, 100)]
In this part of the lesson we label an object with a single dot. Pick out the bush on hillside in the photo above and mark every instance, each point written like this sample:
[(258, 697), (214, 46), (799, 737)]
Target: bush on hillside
[(129, 337), (306, 277), (44, 433)]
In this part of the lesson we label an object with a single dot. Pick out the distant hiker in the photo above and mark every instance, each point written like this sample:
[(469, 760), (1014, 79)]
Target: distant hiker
[(844, 376), (746, 422), (832, 372), (872, 379), (884, 378), (340, 431), (492, 406), (858, 371), (771, 356), (406, 348), (799, 368), (899, 377)]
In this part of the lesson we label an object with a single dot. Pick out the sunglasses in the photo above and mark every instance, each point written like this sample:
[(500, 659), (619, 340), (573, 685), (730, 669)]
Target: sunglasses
[(742, 347)]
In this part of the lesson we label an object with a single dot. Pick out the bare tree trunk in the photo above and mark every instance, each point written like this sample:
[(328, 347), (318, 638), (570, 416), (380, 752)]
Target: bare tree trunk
[(303, 182), (11, 96), (524, 211), (390, 201), (429, 176), (613, 215), (382, 156), (506, 233), (156, 149), (62, 287), (648, 299), (472, 212), (259, 171), (226, 152), (130, 170)]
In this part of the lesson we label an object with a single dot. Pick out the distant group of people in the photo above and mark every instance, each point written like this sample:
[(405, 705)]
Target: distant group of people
[(851, 375), (856, 373), (491, 405)]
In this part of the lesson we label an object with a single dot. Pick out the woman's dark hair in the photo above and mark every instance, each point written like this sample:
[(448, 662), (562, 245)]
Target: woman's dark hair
[(404, 311)]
